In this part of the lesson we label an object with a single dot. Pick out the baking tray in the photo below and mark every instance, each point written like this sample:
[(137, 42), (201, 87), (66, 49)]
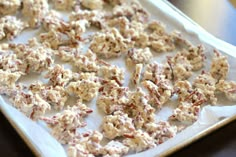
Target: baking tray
[(32, 133)]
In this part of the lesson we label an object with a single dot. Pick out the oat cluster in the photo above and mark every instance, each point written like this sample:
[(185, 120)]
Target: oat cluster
[(123, 30)]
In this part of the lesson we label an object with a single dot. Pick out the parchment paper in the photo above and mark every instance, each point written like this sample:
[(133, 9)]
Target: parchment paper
[(47, 146)]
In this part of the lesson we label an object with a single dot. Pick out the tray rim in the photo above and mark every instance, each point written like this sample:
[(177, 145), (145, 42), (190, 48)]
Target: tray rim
[(200, 135), (170, 151), (21, 133), (183, 144)]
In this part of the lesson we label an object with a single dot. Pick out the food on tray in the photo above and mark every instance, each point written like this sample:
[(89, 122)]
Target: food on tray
[(9, 6), (136, 56), (108, 58), (219, 66), (228, 88), (137, 73), (110, 44), (64, 124), (10, 27), (35, 10), (206, 84), (117, 125)]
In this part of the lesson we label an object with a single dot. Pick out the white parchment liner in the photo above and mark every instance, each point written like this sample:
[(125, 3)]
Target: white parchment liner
[(43, 144)]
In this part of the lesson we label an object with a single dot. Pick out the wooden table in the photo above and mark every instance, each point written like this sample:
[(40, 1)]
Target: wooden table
[(217, 17)]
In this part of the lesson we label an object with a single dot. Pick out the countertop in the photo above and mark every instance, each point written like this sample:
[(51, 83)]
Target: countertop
[(217, 17)]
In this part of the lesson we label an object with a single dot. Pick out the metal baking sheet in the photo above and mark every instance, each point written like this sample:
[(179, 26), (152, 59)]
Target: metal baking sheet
[(211, 117)]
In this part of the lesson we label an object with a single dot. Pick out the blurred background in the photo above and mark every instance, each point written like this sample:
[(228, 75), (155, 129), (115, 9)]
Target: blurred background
[(216, 16)]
